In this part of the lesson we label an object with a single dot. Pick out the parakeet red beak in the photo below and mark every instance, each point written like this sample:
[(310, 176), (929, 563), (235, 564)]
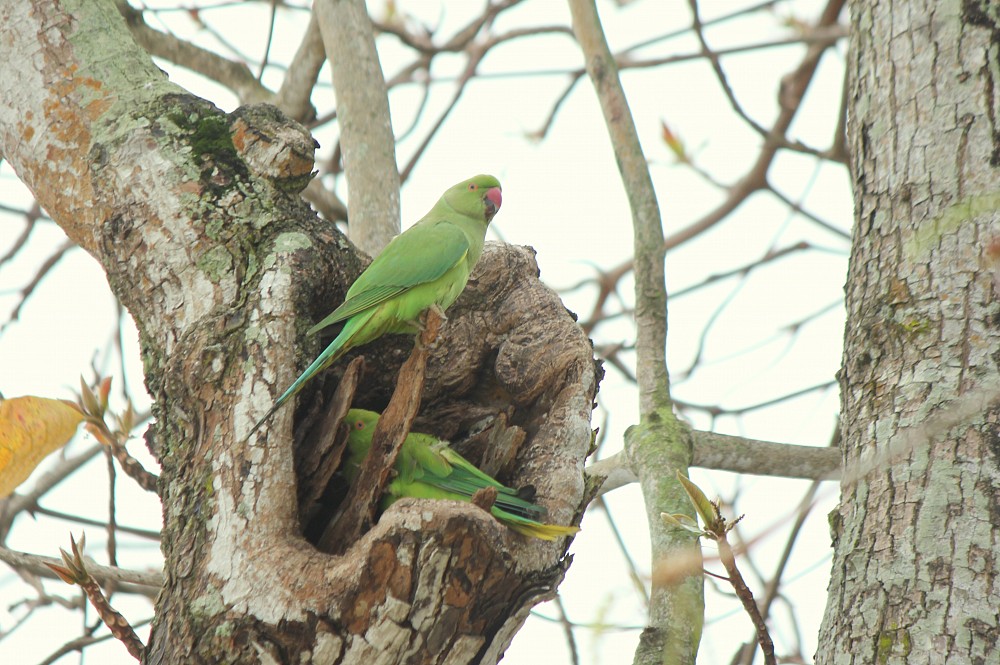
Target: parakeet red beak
[(492, 201)]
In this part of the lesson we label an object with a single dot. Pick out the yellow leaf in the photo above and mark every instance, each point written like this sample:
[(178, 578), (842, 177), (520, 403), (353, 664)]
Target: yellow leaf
[(30, 429)]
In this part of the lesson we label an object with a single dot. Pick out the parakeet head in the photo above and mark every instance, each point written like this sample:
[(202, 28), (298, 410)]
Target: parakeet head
[(478, 197), (360, 427), (361, 423)]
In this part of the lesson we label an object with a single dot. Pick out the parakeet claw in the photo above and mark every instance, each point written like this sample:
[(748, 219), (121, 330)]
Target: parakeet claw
[(420, 324), (437, 309)]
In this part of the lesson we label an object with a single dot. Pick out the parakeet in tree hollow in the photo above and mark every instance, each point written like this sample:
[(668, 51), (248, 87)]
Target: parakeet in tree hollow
[(426, 265), (427, 468)]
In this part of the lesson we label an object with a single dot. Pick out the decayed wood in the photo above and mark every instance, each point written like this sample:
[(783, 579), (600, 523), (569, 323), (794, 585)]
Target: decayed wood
[(363, 498), (438, 581), (318, 461)]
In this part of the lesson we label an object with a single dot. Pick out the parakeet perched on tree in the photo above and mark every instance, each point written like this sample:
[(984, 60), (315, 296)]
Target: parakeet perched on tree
[(427, 468), (426, 265)]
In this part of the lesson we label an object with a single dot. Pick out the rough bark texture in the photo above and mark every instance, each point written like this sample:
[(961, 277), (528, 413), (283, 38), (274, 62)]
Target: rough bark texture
[(914, 574), (433, 581), (195, 217)]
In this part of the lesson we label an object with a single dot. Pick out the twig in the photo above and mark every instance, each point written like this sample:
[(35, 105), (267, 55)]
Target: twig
[(541, 133), (746, 597), (738, 411), (132, 467), (270, 39), (111, 527), (40, 274), (31, 218), (567, 626), (594, 626), (756, 177), (74, 571), (474, 58), (148, 534), (716, 528), (93, 404), (80, 643), (633, 570), (15, 504), (713, 58), (774, 584)]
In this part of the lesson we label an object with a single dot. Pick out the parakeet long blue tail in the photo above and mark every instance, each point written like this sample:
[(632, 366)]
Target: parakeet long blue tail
[(330, 354)]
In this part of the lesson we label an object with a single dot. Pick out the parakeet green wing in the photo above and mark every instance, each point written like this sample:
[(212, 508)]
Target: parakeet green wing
[(426, 266), (424, 254), (428, 468), (466, 479)]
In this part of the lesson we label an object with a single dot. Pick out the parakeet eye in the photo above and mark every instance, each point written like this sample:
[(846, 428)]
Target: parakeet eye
[(473, 186), (359, 424)]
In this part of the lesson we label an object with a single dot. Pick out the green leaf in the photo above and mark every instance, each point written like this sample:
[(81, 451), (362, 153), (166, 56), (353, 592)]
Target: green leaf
[(705, 508), (682, 521)]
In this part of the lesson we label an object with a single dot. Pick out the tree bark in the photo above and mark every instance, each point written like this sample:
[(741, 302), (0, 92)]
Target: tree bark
[(916, 537), (195, 216)]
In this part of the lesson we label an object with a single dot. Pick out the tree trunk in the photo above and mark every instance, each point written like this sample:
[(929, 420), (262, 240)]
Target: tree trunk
[(196, 218), (916, 538)]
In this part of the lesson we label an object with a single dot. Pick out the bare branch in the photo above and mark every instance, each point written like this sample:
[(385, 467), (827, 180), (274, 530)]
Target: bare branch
[(15, 504), (40, 274), (650, 291), (365, 127), (233, 75), (736, 454), (296, 89), (658, 446), (38, 565)]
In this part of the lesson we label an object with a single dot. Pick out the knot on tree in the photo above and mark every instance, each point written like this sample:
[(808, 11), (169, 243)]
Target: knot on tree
[(273, 145)]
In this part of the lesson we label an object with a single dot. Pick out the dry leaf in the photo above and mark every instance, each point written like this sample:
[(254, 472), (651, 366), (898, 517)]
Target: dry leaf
[(30, 429)]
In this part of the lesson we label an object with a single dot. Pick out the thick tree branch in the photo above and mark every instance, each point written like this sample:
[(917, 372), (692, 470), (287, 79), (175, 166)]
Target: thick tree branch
[(659, 445), (234, 75), (296, 89), (738, 455), (365, 127)]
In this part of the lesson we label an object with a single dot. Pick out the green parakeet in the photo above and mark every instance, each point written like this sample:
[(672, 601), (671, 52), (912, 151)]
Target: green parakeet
[(427, 468), (426, 265)]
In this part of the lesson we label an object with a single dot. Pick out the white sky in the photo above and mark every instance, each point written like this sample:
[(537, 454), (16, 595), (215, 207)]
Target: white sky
[(563, 197)]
